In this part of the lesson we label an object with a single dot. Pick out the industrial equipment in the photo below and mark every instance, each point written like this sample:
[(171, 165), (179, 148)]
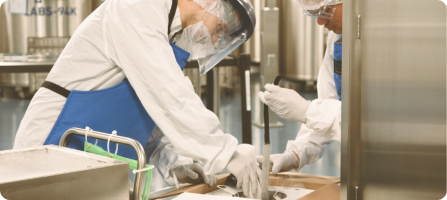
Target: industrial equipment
[(38, 28), (53, 172)]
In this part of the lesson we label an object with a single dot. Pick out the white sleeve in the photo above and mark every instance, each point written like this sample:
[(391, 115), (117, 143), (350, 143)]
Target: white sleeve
[(324, 118), (324, 113), (308, 146), (313, 136), (136, 40), (163, 155)]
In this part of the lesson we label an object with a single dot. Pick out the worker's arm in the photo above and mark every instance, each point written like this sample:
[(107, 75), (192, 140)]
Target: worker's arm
[(324, 113), (136, 40), (308, 146), (324, 118), (163, 156)]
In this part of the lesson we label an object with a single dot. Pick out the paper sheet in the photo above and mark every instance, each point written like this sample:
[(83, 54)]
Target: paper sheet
[(189, 196), (292, 193)]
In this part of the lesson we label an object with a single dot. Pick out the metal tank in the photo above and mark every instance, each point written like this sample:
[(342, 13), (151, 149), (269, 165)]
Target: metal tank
[(41, 32), (302, 43), (394, 100)]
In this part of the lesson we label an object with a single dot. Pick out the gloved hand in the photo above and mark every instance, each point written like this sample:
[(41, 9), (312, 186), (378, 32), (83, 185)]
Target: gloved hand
[(282, 162), (190, 174), (244, 167), (286, 103)]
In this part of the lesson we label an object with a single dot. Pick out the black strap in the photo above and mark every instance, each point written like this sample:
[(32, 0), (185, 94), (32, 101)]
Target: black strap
[(56, 88), (172, 14), (64, 92)]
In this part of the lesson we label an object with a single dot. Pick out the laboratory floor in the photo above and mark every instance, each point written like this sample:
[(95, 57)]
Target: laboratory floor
[(12, 111)]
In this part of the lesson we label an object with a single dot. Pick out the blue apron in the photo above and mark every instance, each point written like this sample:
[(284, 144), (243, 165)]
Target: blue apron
[(337, 66), (116, 108)]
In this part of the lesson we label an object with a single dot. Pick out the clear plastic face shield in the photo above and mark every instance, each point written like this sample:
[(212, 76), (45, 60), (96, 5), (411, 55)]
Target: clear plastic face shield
[(225, 26), (319, 8)]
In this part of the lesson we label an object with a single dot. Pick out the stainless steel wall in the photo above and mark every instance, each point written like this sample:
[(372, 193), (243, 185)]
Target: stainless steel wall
[(394, 100)]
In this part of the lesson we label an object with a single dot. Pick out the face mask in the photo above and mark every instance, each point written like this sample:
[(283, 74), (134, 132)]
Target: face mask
[(196, 40)]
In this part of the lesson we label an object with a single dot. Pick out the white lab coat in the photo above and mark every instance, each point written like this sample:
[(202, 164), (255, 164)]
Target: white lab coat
[(323, 115), (129, 39)]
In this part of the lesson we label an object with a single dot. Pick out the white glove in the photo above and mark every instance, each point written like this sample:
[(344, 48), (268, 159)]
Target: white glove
[(282, 162), (286, 103), (190, 174), (244, 167)]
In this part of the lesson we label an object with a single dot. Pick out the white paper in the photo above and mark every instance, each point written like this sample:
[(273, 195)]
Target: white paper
[(292, 193), (189, 196), (18, 6)]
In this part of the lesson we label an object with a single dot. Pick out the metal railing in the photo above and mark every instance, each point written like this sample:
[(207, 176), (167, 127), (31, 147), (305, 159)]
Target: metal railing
[(242, 62), (139, 176)]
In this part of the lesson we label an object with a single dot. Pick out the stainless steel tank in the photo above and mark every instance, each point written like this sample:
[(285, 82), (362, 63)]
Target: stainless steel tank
[(301, 45), (44, 30)]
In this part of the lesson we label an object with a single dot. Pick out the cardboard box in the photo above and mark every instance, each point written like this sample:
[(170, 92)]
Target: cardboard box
[(325, 187)]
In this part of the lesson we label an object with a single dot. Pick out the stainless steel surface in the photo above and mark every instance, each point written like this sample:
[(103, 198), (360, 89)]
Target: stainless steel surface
[(52, 172), (45, 29), (139, 177), (269, 55), (253, 45), (394, 100), (301, 43), (194, 75), (358, 26)]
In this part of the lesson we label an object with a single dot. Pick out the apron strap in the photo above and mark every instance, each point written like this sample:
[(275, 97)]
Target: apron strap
[(172, 14), (64, 92), (56, 88)]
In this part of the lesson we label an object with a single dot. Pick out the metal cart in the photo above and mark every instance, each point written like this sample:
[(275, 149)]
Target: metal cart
[(139, 176)]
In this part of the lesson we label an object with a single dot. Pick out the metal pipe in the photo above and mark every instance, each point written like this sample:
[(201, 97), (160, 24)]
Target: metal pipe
[(216, 91), (139, 177), (266, 151), (244, 73)]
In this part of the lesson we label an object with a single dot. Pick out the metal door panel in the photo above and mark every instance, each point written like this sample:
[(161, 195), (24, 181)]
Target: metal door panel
[(394, 119)]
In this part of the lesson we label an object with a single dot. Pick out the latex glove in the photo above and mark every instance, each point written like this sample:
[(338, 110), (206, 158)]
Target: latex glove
[(282, 162), (286, 103), (192, 173), (244, 167)]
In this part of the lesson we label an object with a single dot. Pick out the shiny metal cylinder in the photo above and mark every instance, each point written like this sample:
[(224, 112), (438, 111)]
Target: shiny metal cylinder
[(301, 44), (43, 30)]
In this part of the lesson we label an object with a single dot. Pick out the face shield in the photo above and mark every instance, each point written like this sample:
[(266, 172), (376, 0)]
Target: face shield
[(319, 8), (224, 27)]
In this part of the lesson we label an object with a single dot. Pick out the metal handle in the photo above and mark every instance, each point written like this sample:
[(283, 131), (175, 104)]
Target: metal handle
[(139, 177)]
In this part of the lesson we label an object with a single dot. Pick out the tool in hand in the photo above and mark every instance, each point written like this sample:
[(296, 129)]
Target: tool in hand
[(266, 151)]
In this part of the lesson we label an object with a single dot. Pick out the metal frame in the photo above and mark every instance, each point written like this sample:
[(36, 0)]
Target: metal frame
[(242, 62), (26, 67), (351, 164), (139, 177)]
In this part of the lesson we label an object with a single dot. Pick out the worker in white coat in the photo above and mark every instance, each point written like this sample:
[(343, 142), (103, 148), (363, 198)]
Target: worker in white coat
[(122, 71), (321, 118)]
